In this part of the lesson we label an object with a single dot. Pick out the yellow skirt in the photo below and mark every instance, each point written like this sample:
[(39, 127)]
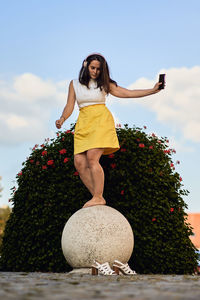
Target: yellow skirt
[(95, 128)]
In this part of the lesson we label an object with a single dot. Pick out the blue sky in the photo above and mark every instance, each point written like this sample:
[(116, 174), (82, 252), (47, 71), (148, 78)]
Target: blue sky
[(43, 44)]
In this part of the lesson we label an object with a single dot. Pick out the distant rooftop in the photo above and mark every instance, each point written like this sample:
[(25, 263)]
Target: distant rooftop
[(194, 220), (4, 206)]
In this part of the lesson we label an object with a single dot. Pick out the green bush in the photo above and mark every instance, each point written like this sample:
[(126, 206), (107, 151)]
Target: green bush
[(141, 182)]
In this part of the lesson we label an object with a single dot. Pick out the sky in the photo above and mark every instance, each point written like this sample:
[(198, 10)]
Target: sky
[(42, 47)]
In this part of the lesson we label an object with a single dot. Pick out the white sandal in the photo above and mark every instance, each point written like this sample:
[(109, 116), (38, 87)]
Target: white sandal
[(103, 269), (123, 268)]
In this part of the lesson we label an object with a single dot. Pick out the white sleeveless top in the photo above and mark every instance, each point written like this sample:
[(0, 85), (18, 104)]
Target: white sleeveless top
[(91, 96)]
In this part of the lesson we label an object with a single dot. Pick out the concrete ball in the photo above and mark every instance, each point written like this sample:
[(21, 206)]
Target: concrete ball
[(97, 233)]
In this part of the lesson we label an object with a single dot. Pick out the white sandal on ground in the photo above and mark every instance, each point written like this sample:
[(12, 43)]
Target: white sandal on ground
[(103, 269), (123, 268)]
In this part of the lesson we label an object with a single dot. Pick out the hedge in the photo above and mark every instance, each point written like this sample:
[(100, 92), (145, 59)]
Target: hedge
[(140, 181)]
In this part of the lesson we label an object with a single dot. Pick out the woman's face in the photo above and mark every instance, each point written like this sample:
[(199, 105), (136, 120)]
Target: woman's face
[(94, 69)]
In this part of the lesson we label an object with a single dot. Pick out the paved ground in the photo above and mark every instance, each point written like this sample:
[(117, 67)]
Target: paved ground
[(64, 286)]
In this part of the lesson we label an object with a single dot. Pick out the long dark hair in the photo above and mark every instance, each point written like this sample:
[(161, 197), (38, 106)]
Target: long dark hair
[(103, 80)]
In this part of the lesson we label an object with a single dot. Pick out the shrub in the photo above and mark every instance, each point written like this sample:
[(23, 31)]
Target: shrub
[(4, 216), (141, 182)]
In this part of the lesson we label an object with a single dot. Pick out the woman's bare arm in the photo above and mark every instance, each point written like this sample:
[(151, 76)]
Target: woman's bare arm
[(121, 92), (69, 107)]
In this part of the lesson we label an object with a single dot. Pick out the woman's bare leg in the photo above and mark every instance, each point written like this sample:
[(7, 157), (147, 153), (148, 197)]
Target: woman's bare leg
[(81, 165), (97, 174)]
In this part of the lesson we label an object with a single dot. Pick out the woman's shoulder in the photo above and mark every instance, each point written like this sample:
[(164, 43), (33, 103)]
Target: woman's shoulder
[(74, 82)]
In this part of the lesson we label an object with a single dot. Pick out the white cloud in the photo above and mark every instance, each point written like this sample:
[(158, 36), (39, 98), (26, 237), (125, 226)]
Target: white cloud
[(180, 145), (14, 121), (32, 87), (192, 130), (27, 102), (178, 105)]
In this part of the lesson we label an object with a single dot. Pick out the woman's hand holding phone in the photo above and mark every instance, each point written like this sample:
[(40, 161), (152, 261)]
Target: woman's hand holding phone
[(162, 81)]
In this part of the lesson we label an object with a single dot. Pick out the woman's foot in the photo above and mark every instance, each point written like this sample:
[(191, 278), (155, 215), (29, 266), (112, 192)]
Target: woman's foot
[(95, 201)]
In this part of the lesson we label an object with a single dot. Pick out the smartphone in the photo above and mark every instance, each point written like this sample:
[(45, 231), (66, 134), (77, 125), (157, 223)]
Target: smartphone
[(162, 79)]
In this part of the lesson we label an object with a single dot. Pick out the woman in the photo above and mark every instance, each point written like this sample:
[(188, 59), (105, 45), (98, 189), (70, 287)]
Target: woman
[(95, 133)]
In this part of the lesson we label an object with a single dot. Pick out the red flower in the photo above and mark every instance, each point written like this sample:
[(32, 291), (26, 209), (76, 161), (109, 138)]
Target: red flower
[(167, 141), (138, 140), (20, 173), (76, 173), (44, 152), (63, 151), (111, 155), (123, 150), (42, 145), (145, 127), (35, 146), (50, 162), (173, 150), (113, 166), (122, 192), (68, 131), (66, 159), (44, 167), (57, 134), (167, 151), (180, 179), (159, 141), (63, 139), (141, 145), (154, 219), (171, 165), (31, 161), (37, 163), (118, 125), (153, 134), (72, 132), (150, 147), (171, 209)]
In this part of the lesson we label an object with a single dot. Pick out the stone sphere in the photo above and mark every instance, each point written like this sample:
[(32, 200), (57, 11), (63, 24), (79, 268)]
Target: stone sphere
[(99, 233)]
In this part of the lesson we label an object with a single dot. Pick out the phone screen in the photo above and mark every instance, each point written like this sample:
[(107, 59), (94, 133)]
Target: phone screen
[(162, 79)]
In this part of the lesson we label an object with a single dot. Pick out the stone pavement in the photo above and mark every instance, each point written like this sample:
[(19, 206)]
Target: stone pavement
[(65, 286)]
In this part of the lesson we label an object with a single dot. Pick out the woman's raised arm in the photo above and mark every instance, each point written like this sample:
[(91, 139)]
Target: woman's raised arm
[(69, 107), (121, 92)]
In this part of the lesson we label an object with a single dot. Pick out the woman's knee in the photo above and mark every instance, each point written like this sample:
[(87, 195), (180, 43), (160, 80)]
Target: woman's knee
[(93, 157), (80, 162), (92, 161)]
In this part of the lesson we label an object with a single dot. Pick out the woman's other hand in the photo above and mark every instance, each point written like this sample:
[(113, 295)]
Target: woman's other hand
[(59, 123)]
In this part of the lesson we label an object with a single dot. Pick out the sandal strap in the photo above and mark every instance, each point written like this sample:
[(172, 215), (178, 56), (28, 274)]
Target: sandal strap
[(125, 267), (104, 268)]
